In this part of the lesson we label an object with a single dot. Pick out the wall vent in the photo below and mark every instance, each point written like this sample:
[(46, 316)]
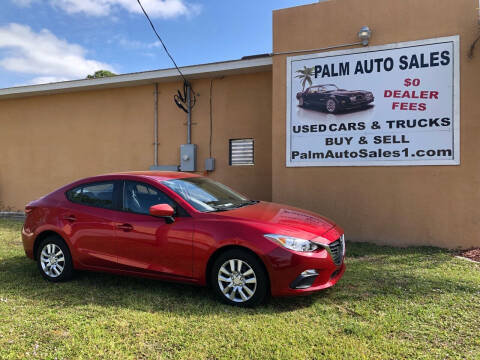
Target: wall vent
[(241, 152)]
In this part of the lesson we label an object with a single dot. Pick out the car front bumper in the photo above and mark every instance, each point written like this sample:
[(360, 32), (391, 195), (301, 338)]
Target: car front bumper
[(285, 267)]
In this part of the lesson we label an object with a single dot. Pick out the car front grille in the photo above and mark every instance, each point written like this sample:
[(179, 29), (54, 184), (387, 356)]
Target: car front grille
[(337, 250)]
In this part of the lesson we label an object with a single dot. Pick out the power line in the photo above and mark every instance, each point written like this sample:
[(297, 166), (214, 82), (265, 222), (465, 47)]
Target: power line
[(161, 41)]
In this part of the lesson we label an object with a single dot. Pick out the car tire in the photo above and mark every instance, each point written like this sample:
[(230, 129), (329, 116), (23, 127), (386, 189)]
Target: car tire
[(238, 278), (54, 260), (331, 106)]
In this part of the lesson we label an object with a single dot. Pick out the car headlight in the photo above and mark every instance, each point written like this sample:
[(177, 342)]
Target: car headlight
[(292, 243), (353, 98)]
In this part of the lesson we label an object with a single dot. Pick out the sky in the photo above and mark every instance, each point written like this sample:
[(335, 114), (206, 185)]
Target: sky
[(44, 41)]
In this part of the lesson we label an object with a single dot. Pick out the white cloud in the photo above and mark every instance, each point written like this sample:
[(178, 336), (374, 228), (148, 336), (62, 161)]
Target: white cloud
[(133, 44), (44, 55), (155, 8), (47, 79), (90, 7)]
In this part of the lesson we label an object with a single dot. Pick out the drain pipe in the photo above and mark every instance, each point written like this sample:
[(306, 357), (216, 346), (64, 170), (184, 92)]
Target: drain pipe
[(155, 126), (155, 165)]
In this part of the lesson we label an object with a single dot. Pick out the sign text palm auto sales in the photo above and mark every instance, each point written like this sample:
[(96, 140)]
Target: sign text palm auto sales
[(389, 105)]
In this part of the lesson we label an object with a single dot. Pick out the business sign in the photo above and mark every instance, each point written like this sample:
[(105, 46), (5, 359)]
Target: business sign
[(396, 104)]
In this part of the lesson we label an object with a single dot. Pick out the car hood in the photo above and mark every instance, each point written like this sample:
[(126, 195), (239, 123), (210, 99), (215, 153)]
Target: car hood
[(283, 219)]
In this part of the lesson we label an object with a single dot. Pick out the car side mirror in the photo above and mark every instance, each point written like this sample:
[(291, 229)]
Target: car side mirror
[(163, 211)]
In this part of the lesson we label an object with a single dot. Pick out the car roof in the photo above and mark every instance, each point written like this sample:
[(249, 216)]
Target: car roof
[(157, 175)]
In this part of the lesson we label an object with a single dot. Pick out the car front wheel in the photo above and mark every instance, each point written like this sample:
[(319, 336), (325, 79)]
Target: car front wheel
[(54, 260), (331, 106), (238, 278)]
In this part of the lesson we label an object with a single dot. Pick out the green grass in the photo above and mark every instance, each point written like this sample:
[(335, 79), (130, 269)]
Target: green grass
[(416, 303)]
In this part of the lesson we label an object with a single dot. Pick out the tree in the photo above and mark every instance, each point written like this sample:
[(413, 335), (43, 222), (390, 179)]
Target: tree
[(100, 74), (305, 75)]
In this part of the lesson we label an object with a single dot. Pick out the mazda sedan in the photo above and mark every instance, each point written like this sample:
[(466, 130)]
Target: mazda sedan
[(183, 227)]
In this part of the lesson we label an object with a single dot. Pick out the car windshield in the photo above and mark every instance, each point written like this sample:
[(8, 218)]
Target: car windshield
[(207, 195), (327, 88)]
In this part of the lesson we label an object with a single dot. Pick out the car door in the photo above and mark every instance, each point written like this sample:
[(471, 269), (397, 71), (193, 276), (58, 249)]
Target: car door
[(89, 218), (148, 244), (307, 96), (318, 96)]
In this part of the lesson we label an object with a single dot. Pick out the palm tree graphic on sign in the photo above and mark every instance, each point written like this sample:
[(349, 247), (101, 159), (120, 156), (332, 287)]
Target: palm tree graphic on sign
[(305, 75)]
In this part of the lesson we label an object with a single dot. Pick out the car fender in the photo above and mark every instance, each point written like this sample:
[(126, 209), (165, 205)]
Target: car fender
[(51, 229), (210, 238)]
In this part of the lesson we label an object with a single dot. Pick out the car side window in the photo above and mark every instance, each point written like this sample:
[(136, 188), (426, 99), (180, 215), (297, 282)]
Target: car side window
[(97, 195), (139, 197)]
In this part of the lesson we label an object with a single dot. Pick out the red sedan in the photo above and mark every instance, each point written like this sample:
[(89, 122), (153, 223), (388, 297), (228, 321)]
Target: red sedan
[(183, 227)]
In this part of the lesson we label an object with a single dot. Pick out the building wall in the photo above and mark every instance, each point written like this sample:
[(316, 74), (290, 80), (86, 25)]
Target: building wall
[(48, 141), (417, 205)]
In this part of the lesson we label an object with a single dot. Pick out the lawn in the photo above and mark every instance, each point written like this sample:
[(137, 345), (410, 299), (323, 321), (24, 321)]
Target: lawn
[(392, 303)]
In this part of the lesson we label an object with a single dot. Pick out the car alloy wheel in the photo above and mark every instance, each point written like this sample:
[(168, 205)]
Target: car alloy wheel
[(331, 105), (54, 259), (237, 280)]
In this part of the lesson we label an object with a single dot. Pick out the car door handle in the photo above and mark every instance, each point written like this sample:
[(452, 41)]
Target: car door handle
[(125, 227), (71, 218)]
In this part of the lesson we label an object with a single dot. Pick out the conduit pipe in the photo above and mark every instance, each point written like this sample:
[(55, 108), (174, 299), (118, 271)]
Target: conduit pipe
[(319, 49), (364, 35), (189, 115)]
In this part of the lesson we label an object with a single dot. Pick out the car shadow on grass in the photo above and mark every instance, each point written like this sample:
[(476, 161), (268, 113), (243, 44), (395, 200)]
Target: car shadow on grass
[(371, 271), (19, 277)]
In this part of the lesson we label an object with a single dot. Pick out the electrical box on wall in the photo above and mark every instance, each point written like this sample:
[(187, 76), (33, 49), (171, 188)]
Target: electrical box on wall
[(209, 164), (188, 157)]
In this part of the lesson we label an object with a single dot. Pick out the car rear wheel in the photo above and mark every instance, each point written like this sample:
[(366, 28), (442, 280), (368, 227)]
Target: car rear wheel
[(331, 106), (54, 260), (238, 278)]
